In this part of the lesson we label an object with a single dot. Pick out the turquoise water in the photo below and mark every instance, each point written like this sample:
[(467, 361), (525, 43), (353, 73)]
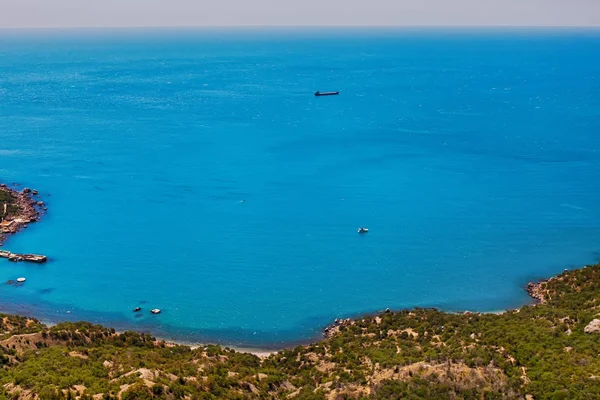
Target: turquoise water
[(194, 171)]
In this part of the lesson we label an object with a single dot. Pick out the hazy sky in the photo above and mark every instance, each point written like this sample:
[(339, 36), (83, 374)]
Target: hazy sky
[(33, 13)]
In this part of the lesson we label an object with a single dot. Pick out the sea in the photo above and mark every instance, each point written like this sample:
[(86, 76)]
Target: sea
[(194, 171)]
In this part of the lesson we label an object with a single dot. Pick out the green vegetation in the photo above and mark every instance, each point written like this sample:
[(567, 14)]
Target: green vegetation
[(10, 199), (539, 351)]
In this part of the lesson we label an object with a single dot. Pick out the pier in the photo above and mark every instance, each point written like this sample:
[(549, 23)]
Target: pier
[(14, 257)]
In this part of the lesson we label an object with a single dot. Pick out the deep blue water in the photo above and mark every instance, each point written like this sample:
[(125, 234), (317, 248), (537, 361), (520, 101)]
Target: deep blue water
[(472, 157)]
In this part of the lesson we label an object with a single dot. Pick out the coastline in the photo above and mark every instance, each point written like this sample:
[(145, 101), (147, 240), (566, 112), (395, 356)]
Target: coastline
[(534, 351), (536, 291), (18, 209), (29, 208)]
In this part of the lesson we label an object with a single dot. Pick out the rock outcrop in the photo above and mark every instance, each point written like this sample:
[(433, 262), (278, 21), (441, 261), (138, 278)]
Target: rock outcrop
[(536, 290), (593, 327), (17, 210)]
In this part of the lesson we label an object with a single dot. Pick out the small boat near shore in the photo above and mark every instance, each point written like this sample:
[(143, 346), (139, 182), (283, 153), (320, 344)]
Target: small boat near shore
[(363, 230), (317, 93), (21, 280), (155, 311), (137, 309)]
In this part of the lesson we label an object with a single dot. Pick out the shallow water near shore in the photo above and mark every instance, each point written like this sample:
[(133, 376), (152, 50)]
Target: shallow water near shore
[(195, 172)]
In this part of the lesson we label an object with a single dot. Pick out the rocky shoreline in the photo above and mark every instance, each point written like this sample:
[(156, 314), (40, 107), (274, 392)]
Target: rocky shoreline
[(18, 208), (537, 291)]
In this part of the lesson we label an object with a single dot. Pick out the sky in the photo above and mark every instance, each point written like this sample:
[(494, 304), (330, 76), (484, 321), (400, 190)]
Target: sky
[(145, 13)]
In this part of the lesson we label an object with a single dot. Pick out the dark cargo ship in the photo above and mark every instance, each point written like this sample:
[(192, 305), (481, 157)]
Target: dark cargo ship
[(317, 93)]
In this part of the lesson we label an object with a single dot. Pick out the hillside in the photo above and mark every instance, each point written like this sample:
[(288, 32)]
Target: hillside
[(535, 352)]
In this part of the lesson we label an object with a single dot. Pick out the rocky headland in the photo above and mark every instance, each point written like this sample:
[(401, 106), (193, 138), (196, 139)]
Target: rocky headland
[(540, 291), (18, 208)]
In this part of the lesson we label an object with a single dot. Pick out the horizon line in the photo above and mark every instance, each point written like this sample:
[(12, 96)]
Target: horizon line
[(258, 26)]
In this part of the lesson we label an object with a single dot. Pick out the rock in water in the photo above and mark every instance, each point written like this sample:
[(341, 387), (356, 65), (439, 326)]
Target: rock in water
[(593, 327)]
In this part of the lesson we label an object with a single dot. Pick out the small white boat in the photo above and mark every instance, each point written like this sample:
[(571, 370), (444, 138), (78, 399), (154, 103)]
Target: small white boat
[(363, 230), (21, 280), (155, 311)]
